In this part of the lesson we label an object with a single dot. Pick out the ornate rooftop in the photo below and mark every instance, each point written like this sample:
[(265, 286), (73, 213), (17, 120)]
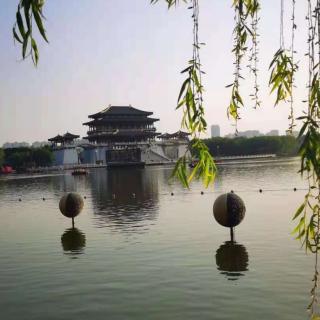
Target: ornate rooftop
[(120, 111)]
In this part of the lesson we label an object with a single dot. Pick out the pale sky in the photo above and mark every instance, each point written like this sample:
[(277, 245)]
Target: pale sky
[(123, 52)]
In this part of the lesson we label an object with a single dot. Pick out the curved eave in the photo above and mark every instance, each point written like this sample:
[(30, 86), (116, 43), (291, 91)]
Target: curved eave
[(106, 136), (119, 120), (119, 110)]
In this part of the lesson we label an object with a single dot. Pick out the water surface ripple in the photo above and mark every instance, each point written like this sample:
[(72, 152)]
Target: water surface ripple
[(139, 252)]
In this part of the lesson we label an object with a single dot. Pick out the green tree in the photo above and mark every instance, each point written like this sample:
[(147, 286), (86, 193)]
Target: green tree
[(22, 158), (42, 157), (1, 157), (19, 158), (281, 146)]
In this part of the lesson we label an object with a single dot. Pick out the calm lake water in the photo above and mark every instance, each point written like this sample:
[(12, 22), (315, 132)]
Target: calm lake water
[(140, 253)]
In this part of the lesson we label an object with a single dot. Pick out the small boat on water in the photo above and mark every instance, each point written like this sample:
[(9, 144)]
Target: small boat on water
[(79, 172), (7, 170)]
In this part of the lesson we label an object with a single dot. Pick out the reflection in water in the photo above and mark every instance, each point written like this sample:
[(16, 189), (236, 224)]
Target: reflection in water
[(125, 198), (73, 241), (232, 259)]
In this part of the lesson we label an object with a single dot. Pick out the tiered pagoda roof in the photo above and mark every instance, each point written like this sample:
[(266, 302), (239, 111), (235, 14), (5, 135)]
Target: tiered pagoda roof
[(66, 138), (120, 111), (181, 135), (121, 124)]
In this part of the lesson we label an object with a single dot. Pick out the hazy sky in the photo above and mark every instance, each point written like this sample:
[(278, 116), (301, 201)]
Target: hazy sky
[(124, 52)]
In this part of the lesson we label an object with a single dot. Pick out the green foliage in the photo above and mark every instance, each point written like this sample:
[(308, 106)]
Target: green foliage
[(170, 2), (22, 158), (205, 168), (282, 74), (1, 157), (29, 12), (243, 30), (42, 156), (190, 100), (279, 145)]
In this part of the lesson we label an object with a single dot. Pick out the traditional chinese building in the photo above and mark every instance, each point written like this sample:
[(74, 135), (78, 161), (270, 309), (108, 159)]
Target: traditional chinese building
[(120, 136), (121, 125), (177, 136), (64, 140), (64, 149), (174, 145)]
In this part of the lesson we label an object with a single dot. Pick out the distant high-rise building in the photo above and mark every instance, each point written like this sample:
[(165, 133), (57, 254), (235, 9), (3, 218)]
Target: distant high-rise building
[(215, 131), (292, 133), (39, 144), (273, 133), (12, 145), (249, 133)]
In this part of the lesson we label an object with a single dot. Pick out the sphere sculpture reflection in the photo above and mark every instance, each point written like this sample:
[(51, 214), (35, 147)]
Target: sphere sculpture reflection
[(232, 259), (71, 205), (73, 241), (229, 210)]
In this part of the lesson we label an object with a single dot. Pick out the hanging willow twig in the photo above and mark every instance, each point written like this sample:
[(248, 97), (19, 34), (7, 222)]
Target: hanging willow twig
[(308, 214), (190, 100), (283, 70), (293, 28), (244, 9), (254, 59), (170, 2), (28, 12)]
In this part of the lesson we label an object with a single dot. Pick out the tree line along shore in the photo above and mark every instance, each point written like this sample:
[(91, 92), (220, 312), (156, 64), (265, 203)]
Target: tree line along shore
[(28, 157), (278, 145)]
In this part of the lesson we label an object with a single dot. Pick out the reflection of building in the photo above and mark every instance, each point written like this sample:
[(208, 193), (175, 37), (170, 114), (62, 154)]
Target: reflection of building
[(126, 198), (215, 131)]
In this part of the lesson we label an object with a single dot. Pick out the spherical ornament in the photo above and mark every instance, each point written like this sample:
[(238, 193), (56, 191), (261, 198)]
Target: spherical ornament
[(229, 210), (71, 205)]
